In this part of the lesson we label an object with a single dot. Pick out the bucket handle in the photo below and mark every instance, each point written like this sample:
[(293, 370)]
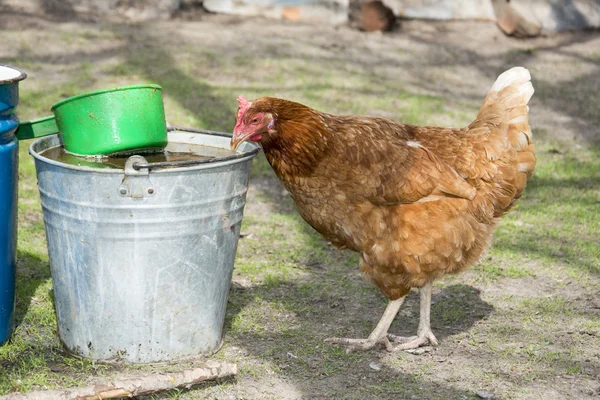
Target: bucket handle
[(137, 165), (140, 165), (136, 184)]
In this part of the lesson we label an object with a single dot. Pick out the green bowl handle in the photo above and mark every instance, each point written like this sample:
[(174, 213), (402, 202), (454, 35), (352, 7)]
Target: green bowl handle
[(37, 128)]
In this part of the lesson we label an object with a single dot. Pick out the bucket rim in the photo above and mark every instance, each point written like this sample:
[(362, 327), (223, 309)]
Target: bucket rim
[(251, 152), (103, 91), (22, 75)]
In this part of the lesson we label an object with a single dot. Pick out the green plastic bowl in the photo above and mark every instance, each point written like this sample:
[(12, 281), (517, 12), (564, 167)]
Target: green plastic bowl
[(123, 119)]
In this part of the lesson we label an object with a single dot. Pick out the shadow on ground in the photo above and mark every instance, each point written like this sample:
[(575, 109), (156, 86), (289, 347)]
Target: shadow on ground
[(31, 273)]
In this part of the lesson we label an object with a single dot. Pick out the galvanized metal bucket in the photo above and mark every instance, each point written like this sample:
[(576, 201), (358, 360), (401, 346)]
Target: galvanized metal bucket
[(142, 257)]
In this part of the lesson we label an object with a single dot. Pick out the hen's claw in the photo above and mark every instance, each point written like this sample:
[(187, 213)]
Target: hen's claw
[(361, 344), (380, 336), (425, 338), (400, 339)]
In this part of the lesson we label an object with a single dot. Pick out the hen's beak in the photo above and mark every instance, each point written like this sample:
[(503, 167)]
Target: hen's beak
[(237, 139)]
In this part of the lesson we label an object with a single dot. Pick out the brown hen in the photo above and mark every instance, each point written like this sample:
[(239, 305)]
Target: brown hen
[(415, 202)]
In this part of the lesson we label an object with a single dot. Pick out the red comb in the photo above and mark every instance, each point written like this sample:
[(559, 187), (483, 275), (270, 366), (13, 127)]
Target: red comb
[(244, 104)]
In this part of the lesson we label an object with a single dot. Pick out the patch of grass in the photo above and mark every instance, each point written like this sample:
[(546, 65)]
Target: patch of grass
[(558, 216), (259, 317), (120, 70), (494, 271), (505, 330), (449, 313), (261, 167), (280, 246), (547, 306), (335, 359)]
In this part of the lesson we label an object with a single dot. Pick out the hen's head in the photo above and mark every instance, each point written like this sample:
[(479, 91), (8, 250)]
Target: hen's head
[(253, 121)]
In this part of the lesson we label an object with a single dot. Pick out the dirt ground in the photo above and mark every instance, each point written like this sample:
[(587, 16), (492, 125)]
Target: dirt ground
[(517, 334)]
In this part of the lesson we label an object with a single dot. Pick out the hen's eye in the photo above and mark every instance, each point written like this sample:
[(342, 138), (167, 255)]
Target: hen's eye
[(254, 120)]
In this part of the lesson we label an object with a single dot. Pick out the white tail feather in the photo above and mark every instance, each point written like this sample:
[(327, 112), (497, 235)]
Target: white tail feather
[(525, 92), (520, 118), (513, 76)]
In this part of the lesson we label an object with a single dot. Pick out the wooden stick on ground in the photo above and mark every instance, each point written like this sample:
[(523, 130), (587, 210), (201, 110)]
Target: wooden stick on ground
[(134, 387)]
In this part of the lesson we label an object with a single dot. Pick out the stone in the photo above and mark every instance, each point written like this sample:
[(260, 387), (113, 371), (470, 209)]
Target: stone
[(442, 9), (521, 18), (376, 16), (512, 23), (143, 10), (375, 366), (559, 15), (482, 394), (332, 12)]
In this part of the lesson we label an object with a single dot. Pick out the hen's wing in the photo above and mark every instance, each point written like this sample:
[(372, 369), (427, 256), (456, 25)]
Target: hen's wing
[(377, 160)]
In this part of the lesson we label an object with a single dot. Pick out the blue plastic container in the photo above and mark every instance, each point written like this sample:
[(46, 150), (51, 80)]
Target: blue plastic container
[(9, 153)]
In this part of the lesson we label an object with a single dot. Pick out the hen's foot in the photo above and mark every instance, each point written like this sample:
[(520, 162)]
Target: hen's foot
[(353, 345), (379, 334), (401, 339), (425, 338)]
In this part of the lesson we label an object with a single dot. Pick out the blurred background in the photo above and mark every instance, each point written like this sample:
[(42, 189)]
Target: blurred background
[(524, 323)]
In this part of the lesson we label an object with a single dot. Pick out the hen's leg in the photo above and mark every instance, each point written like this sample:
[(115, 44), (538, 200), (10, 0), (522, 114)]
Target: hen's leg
[(424, 334), (379, 334)]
